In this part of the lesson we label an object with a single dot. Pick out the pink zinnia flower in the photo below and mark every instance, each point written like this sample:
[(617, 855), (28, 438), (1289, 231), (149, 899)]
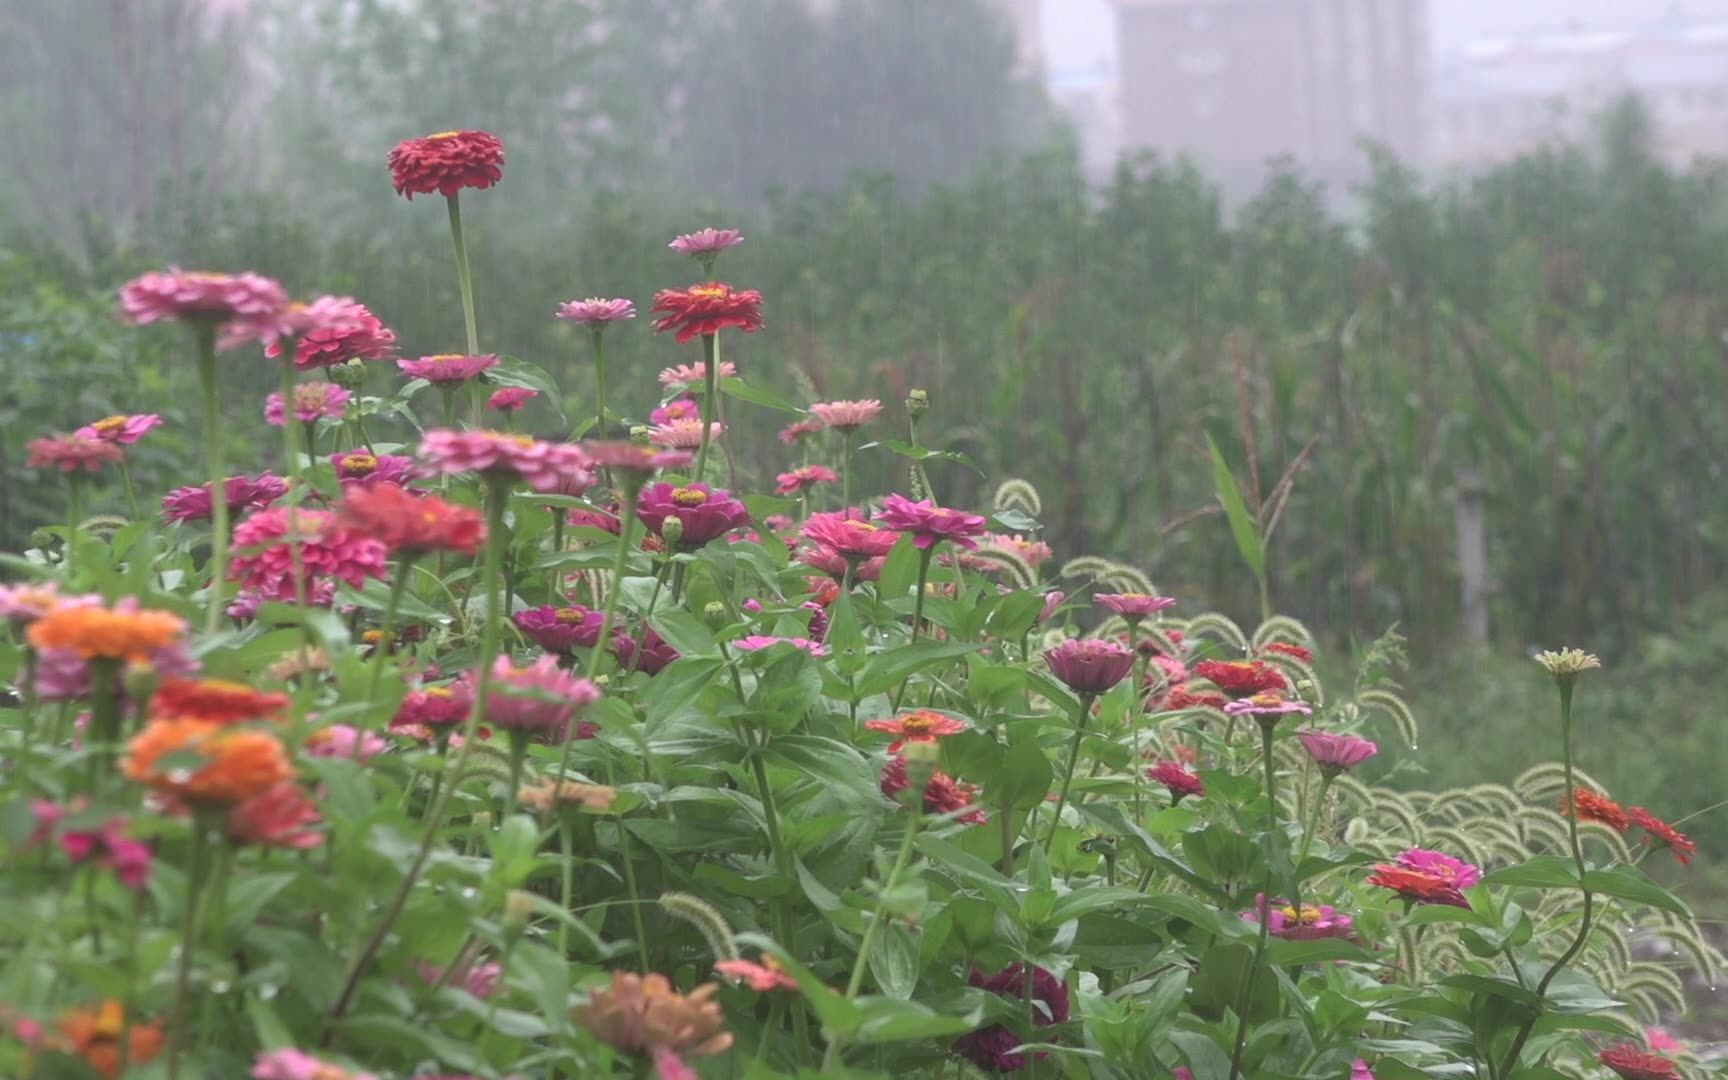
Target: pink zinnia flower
[(24, 604), (652, 659), (279, 816), (1662, 1042), (541, 698), (69, 453), (763, 641), (596, 313), (560, 629), (1133, 605), (695, 373), (760, 977), (446, 162), (1267, 703), (1311, 922), (629, 457), (929, 523), (124, 430), (430, 707), (1052, 601), (106, 845), (795, 432), (1628, 1062), (803, 479), (200, 296), (193, 503), (684, 434), (706, 242), (1359, 1070), (704, 513), (361, 469), (682, 407), (1179, 782), (290, 1064), (1336, 753), (447, 367), (846, 533), (477, 978), (264, 564), (334, 330), (833, 563), (543, 466), (510, 398), (1456, 872), (340, 741), (1033, 553), (847, 415), (311, 401), (1089, 665)]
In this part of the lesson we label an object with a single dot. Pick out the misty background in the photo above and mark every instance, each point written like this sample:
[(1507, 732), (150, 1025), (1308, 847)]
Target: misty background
[(1453, 268)]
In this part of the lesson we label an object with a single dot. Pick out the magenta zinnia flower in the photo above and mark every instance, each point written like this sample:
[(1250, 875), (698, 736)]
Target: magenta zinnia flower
[(595, 313), (847, 415), (1133, 605), (333, 330), (704, 513), (357, 467), (1311, 922), (290, 1064), (447, 367), (560, 629), (630, 458), (1335, 753), (193, 503), (1455, 872), (311, 401), (706, 242), (929, 523), (762, 641), (847, 534), (1089, 665), (541, 697), (200, 296), (682, 407), (992, 1048), (69, 453), (684, 434), (695, 373), (653, 658), (264, 563), (543, 466), (1178, 781), (510, 398), (124, 430), (803, 479)]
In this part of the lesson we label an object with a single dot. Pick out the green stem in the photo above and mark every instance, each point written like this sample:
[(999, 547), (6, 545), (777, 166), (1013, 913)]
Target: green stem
[(497, 497), (463, 276), (387, 633), (1085, 714), (104, 718), (566, 877), (554, 592), (296, 489), (204, 337), (845, 469), (518, 755), (599, 383), (1312, 823), (626, 525), (653, 599), (785, 928), (710, 378), (629, 860), (1245, 995), (918, 598), (188, 937), (131, 492), (74, 515), (915, 818)]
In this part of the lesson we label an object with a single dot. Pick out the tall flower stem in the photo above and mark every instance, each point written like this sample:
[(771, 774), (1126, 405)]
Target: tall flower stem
[(914, 819), (1564, 682), (1136, 710), (197, 857), (104, 717), (599, 383), (387, 631), (463, 276), (628, 858), (553, 592), (74, 515), (626, 525), (204, 338), (131, 492), (845, 469), (1084, 714), (1245, 996), (518, 755), (1312, 823), (710, 380), (924, 557), (491, 563)]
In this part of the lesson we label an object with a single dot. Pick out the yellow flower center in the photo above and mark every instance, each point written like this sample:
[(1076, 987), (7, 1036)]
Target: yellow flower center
[(1267, 698), (569, 616), (1132, 595), (372, 637), (444, 135), (108, 425), (359, 465), (709, 292), (445, 358), (110, 1020), (863, 526), (439, 692), (918, 723), (1309, 915), (689, 497)]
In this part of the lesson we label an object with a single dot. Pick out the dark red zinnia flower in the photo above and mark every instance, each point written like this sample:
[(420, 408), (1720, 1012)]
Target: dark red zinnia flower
[(1177, 780), (1294, 651), (446, 163), (1241, 678), (992, 1048), (1597, 808), (1631, 1063), (1661, 832), (1417, 886), (411, 524), (942, 794), (707, 308)]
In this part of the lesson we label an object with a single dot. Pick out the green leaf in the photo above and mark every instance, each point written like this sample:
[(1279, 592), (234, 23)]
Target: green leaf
[(1242, 524), (886, 1019), (683, 631), (1496, 986), (887, 670), (839, 765), (1286, 953), (1631, 883), (1540, 872), (511, 371), (840, 1017), (1217, 984), (1022, 778), (894, 960), (756, 395)]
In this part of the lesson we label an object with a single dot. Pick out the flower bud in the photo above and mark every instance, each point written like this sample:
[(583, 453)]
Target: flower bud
[(139, 679), (518, 909), (639, 434), (671, 531), (917, 403), (715, 615), (349, 375)]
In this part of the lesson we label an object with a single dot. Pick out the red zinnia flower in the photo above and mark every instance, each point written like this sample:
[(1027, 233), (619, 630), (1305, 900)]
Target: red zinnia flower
[(1240, 678), (992, 1048), (706, 309), (1176, 780), (411, 524), (920, 726), (215, 700), (446, 163), (1294, 651), (942, 794), (1662, 832), (1414, 885), (1597, 808), (279, 816), (1631, 1063)]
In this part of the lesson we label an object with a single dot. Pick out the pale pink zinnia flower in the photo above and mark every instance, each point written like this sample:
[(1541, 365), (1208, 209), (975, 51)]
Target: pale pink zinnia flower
[(695, 373), (794, 433), (311, 401), (803, 479), (543, 466), (200, 296), (684, 434), (1267, 703), (847, 415), (763, 641), (682, 407), (510, 398), (69, 453), (1336, 753), (595, 313), (541, 698), (447, 367), (706, 242), (340, 740), (124, 430), (1310, 922), (1033, 553), (763, 977), (291, 1064), (24, 604), (1052, 600), (630, 457), (1133, 605), (477, 978)]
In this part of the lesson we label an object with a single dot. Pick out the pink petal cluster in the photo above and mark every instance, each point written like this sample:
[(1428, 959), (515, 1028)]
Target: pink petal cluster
[(477, 978), (1089, 665), (333, 330), (1033, 553), (447, 367), (682, 407), (1267, 703), (24, 604), (708, 242), (1178, 781), (762, 641), (684, 434), (1133, 605), (312, 400), (124, 430), (69, 453), (1309, 923), (595, 312), (632, 458), (1455, 872), (541, 698), (929, 523), (803, 479), (560, 630), (651, 659), (344, 741), (193, 503), (794, 433), (263, 561), (105, 845), (543, 466), (250, 303), (704, 513), (510, 398), (290, 1064), (361, 469), (1335, 752), (695, 373), (847, 415), (758, 977), (279, 816)]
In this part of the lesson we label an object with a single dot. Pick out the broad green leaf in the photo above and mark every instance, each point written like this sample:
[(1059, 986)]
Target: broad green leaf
[(1631, 883), (889, 669), (1540, 872), (1242, 524)]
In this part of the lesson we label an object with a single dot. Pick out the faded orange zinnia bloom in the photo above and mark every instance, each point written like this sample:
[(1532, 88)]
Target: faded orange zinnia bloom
[(643, 1014), (123, 632), (217, 701), (94, 1035), (237, 763)]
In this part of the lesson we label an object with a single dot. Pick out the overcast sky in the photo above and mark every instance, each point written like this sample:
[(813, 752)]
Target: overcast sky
[(1079, 32)]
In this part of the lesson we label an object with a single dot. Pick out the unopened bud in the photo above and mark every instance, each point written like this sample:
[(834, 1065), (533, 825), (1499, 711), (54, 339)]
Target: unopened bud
[(917, 403), (349, 376), (518, 909), (921, 760), (715, 615), (601, 680), (639, 434), (672, 531), (139, 679)]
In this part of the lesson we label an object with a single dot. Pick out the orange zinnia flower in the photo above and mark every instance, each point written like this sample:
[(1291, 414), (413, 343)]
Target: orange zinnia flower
[(1597, 808), (93, 632), (237, 763), (95, 1037), (216, 701), (920, 726)]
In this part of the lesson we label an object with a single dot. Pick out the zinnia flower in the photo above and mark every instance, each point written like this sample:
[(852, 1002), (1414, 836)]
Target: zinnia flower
[(706, 309), (655, 654), (596, 313), (760, 977), (1134, 606), (757, 642), (1417, 887), (124, 430), (795, 432), (1310, 923), (24, 604), (447, 367), (69, 453), (1438, 864), (1089, 665), (1336, 753), (474, 976), (942, 793), (362, 469), (333, 330), (1267, 703), (1033, 553), (432, 707), (992, 1048), (344, 741), (510, 398), (642, 1014), (552, 794), (682, 407), (922, 725), (279, 816), (803, 479), (929, 523), (1179, 782), (91, 631), (328, 548), (540, 698), (1241, 678), (1631, 1063), (106, 845), (216, 701), (193, 503), (1661, 832), (848, 535), (706, 242), (696, 373), (1597, 808), (411, 525), (627, 457), (311, 401), (704, 513), (199, 296), (543, 466), (560, 630), (446, 163), (684, 434), (291, 1064), (238, 763), (847, 415), (1295, 652), (95, 1034)]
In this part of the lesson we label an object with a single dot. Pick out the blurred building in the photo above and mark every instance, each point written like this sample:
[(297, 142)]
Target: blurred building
[(1234, 83), (1496, 97)]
